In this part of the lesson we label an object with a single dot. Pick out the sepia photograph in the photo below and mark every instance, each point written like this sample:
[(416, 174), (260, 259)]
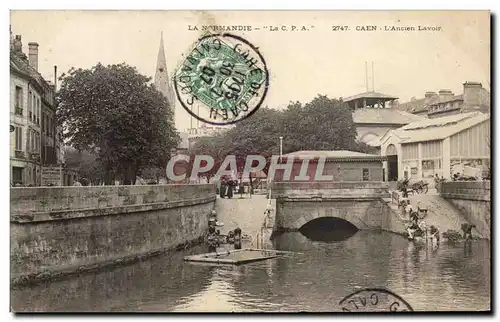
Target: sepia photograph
[(250, 161)]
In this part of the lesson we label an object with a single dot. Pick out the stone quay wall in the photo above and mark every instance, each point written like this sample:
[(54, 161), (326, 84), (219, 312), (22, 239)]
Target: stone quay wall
[(65, 230), (473, 200)]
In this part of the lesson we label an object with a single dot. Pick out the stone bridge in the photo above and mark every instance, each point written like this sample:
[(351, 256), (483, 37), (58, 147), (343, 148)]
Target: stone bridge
[(360, 203)]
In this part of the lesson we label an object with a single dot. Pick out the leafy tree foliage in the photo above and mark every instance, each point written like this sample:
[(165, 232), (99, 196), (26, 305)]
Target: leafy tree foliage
[(116, 114), (322, 124), (213, 146), (87, 165)]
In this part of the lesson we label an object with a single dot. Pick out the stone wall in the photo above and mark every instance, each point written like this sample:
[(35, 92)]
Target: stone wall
[(63, 230), (362, 189), (473, 200)]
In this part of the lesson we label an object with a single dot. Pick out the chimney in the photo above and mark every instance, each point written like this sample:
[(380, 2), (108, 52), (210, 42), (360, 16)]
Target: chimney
[(472, 94), (33, 54), (445, 95), (17, 45), (428, 96)]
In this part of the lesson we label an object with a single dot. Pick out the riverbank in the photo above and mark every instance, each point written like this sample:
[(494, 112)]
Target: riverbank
[(59, 231)]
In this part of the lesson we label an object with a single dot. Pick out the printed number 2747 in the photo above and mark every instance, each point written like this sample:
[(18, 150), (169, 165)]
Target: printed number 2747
[(340, 28)]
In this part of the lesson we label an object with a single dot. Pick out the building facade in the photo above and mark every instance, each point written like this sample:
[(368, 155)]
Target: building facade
[(474, 98), (441, 146), (204, 131), (341, 165), (374, 116), (35, 138)]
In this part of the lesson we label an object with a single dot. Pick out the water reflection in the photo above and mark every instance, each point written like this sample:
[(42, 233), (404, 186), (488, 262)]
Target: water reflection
[(314, 279), (164, 279)]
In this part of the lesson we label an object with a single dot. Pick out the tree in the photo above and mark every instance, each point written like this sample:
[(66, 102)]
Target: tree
[(85, 163), (256, 135), (322, 124), (116, 114), (212, 146)]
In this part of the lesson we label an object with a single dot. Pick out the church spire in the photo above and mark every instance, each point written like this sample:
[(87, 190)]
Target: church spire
[(161, 80)]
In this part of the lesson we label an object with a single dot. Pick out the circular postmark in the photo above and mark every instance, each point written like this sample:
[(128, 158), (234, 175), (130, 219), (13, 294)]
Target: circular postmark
[(374, 300), (223, 80)]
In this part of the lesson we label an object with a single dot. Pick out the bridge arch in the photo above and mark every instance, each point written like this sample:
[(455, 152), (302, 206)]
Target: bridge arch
[(326, 223), (361, 213), (328, 229)]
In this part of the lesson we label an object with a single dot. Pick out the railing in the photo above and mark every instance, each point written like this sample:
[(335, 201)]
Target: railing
[(346, 189)]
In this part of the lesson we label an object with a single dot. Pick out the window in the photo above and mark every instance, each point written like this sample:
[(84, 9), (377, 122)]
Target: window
[(19, 101), (30, 105), (366, 174), (29, 143), (36, 142), (19, 138), (17, 175), (37, 111)]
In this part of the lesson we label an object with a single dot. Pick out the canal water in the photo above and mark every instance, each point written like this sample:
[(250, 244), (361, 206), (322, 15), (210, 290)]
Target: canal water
[(322, 273)]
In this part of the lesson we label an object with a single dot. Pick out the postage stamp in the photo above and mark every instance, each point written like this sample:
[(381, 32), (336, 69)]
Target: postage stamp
[(374, 300), (223, 80)]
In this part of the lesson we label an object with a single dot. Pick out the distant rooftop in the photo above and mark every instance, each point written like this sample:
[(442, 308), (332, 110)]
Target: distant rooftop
[(384, 116), (439, 128)]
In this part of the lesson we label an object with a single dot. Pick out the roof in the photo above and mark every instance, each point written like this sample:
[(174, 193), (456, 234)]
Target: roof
[(334, 155), (375, 142), (370, 95), (21, 65), (413, 106), (419, 105), (384, 116), (439, 128)]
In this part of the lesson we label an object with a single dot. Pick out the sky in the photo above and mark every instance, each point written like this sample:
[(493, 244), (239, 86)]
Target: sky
[(302, 64)]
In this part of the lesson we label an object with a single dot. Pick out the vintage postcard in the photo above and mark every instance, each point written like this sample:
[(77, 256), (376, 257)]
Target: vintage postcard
[(250, 161)]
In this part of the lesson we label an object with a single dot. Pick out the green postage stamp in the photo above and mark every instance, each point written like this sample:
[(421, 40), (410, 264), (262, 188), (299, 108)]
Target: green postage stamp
[(223, 79)]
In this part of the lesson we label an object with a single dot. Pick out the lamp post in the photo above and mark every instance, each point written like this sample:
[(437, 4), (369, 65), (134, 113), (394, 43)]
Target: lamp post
[(281, 147)]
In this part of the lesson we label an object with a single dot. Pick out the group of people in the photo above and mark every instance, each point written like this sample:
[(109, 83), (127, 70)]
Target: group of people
[(228, 187), (213, 238), (417, 226)]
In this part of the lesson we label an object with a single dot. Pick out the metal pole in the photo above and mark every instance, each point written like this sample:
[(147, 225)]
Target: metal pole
[(281, 147)]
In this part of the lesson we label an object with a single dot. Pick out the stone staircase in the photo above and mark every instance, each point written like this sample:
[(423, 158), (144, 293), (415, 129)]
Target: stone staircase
[(246, 213), (440, 212)]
